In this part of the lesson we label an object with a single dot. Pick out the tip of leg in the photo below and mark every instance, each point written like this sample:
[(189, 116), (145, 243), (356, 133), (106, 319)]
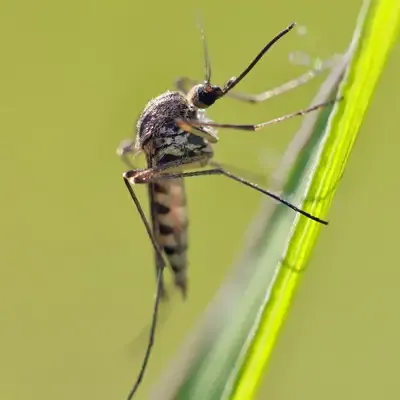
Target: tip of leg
[(181, 284), (164, 294)]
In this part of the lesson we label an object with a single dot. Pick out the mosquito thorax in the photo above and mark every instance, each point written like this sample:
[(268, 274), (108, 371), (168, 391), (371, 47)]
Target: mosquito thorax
[(204, 95)]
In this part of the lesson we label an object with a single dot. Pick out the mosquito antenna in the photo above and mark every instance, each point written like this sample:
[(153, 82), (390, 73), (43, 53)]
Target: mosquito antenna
[(234, 81), (207, 64)]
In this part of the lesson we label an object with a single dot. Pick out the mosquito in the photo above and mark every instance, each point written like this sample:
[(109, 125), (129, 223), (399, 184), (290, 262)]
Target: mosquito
[(176, 136)]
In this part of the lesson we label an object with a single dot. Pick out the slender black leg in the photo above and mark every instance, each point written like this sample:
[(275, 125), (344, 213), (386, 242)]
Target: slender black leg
[(142, 176), (142, 216), (159, 291), (256, 127), (220, 171)]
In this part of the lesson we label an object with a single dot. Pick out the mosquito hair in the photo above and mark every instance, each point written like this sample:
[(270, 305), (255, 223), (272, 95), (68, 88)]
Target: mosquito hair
[(206, 56)]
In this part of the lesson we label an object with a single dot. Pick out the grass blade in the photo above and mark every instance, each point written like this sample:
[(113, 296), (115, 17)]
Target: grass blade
[(227, 358), (376, 32)]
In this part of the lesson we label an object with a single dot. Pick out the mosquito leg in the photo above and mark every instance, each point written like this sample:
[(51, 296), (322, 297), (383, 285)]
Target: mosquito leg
[(140, 176), (257, 127), (150, 343), (272, 195), (285, 87), (203, 132), (221, 171), (159, 291), (159, 258), (183, 83), (126, 151)]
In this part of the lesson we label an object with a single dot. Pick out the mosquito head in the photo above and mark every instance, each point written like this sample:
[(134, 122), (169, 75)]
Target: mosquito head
[(204, 95)]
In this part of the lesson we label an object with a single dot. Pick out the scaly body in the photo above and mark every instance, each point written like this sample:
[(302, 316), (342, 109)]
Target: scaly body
[(163, 141)]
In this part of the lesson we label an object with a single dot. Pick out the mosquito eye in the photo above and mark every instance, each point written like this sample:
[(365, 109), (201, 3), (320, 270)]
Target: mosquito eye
[(208, 97)]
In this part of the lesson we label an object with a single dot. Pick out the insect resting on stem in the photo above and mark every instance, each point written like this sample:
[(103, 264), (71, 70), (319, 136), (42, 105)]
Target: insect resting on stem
[(175, 135)]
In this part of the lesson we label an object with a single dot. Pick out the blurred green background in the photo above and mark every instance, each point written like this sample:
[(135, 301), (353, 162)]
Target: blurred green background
[(77, 274)]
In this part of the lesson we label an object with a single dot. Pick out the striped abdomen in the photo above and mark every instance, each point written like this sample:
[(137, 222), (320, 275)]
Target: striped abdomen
[(169, 215)]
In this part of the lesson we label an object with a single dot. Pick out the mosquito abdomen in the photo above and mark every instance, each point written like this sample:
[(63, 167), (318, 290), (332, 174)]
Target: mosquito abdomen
[(169, 206)]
